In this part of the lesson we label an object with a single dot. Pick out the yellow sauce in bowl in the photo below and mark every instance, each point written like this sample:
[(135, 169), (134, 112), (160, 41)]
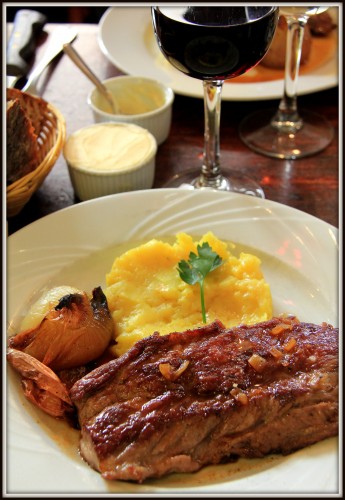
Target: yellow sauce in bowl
[(134, 98)]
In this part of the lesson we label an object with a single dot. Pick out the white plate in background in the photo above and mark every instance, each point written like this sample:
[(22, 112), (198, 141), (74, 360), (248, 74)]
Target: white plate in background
[(126, 38)]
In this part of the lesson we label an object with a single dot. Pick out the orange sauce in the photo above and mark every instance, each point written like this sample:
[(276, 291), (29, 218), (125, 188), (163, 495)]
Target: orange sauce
[(322, 50)]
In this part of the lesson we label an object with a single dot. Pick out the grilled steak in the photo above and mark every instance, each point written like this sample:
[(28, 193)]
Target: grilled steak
[(177, 402)]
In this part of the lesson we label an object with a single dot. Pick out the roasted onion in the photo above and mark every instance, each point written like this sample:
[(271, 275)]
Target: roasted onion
[(76, 331), (40, 384)]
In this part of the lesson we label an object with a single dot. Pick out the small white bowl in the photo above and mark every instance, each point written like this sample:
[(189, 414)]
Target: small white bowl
[(108, 158), (142, 101)]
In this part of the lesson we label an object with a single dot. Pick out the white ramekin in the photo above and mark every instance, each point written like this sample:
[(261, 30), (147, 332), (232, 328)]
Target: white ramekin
[(157, 120), (125, 161)]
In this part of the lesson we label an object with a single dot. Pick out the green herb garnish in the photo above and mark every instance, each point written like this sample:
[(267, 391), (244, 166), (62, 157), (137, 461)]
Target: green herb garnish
[(197, 268)]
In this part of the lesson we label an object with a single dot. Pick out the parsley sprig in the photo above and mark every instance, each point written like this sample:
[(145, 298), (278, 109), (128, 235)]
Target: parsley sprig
[(197, 268)]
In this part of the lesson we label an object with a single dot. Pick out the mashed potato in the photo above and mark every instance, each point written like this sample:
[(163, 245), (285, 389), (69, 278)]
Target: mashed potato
[(146, 294)]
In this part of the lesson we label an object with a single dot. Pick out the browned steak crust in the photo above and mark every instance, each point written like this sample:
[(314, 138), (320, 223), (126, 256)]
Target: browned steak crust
[(175, 403)]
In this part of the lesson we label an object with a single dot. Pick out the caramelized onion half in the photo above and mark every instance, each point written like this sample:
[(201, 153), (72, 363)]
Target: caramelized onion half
[(75, 332)]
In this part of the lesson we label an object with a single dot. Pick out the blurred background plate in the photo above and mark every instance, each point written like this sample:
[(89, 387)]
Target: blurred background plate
[(126, 38)]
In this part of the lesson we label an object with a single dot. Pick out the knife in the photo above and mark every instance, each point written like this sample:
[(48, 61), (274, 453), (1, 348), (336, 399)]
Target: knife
[(28, 24), (59, 37)]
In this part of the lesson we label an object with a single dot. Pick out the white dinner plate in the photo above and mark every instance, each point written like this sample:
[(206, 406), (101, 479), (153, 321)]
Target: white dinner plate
[(75, 246), (126, 38)]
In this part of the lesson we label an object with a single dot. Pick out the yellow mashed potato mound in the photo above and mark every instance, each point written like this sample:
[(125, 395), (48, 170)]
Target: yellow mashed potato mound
[(146, 294)]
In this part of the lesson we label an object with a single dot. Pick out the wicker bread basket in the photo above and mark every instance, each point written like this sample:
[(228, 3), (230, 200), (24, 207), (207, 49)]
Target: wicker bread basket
[(51, 139)]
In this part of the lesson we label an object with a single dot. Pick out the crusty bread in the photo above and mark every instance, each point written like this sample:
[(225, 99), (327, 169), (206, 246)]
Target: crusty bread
[(35, 107), (22, 150), (25, 119)]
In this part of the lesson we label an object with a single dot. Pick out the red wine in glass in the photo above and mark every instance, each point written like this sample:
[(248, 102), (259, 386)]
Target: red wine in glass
[(213, 44)]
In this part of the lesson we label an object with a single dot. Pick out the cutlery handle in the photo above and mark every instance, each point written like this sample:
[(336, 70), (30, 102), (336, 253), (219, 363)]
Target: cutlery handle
[(78, 61), (22, 43)]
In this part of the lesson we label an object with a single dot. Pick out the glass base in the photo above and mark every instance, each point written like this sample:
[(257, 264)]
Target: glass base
[(230, 181), (260, 136)]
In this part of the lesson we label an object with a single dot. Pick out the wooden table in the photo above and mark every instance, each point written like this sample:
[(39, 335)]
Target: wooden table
[(310, 184)]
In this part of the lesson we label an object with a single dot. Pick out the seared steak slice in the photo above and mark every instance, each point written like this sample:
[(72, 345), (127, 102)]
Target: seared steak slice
[(178, 402)]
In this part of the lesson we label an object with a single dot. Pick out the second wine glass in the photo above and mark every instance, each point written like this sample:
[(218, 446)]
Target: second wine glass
[(287, 133), (213, 44)]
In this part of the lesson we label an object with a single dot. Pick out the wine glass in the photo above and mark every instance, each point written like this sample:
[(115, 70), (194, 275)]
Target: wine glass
[(287, 133), (213, 44)]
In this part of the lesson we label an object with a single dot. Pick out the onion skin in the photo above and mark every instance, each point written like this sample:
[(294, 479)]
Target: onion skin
[(75, 332), (41, 385)]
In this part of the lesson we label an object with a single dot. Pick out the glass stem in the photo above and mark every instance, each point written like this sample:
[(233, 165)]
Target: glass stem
[(287, 117), (210, 171)]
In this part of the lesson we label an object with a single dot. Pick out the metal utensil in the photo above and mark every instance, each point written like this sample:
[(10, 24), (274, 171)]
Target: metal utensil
[(78, 61), (21, 46), (54, 48)]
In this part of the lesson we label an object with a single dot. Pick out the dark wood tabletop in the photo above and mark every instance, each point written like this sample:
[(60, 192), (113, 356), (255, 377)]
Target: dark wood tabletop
[(309, 184)]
